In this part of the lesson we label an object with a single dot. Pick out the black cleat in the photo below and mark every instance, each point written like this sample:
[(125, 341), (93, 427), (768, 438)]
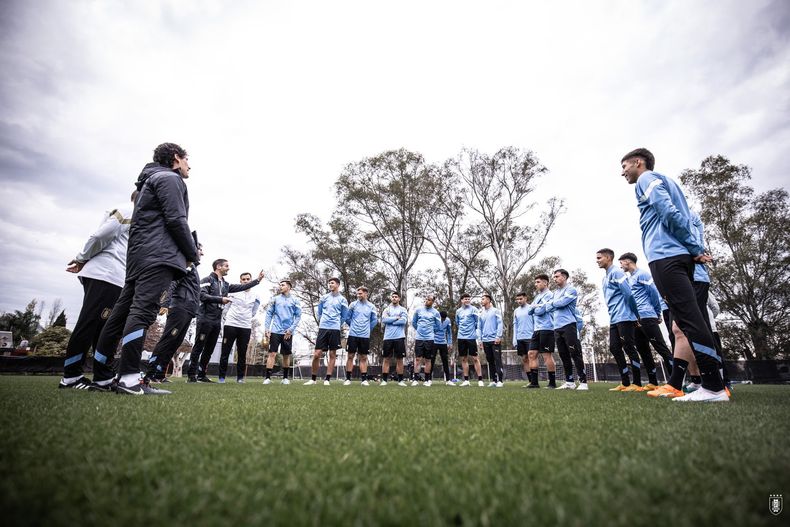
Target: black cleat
[(533, 386), (83, 383), (108, 387), (205, 379), (141, 388), (192, 379)]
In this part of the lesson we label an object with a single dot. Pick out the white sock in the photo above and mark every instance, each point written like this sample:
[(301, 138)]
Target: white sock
[(71, 380), (103, 383), (130, 379)]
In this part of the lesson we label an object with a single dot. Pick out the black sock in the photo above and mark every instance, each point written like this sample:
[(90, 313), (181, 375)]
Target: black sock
[(268, 373), (625, 380), (696, 379), (466, 377), (286, 372), (711, 380), (314, 377), (637, 371), (348, 375), (384, 376), (534, 373), (364, 376), (582, 377), (400, 377), (327, 377), (479, 377), (652, 378), (553, 378), (679, 367)]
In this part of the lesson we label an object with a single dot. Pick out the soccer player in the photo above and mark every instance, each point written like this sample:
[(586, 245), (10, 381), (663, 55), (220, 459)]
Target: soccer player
[(466, 320), (490, 330), (443, 341), (672, 249), (282, 319), (238, 328), (361, 319), (214, 291), (332, 310), (161, 247), (648, 304), (427, 323), (394, 320), (543, 338), (101, 269), (622, 321), (523, 328), (562, 306)]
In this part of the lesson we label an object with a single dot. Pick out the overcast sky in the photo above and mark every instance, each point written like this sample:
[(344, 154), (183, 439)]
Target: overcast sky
[(272, 99)]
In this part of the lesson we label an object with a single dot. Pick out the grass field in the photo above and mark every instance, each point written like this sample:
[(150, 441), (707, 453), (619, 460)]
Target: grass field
[(297, 455)]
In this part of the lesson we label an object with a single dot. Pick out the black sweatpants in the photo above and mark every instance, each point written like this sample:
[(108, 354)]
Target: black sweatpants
[(241, 336), (441, 350), (622, 338), (674, 277), (667, 316), (205, 341), (134, 311), (494, 358), (570, 350), (176, 327), (97, 304), (702, 290), (649, 333)]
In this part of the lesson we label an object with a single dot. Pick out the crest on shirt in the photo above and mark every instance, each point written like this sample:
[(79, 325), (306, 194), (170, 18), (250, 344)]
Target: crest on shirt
[(105, 314), (174, 332), (775, 504)]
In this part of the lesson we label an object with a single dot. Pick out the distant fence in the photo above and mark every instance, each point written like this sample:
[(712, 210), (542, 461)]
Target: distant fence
[(756, 371)]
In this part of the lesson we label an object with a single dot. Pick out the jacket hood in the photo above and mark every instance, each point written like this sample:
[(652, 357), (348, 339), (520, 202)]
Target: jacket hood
[(149, 170)]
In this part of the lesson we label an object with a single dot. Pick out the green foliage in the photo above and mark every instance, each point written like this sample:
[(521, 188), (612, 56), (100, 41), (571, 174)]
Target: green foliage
[(51, 342), (289, 455), (23, 324), (747, 234)]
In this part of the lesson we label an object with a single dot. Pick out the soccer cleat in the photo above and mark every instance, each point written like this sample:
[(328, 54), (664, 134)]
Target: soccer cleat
[(551, 386), (347, 382), (492, 384), (618, 388), (665, 390), (415, 382), (649, 387), (326, 382), (240, 381), (364, 383), (221, 380), (204, 379), (583, 387), (286, 380), (729, 392), (402, 383), (192, 378), (449, 383), (141, 388), (500, 384), (465, 383), (80, 384), (428, 383), (691, 387), (632, 388), (267, 381), (533, 386), (383, 383), (481, 384), (567, 385), (310, 383), (103, 387), (704, 395)]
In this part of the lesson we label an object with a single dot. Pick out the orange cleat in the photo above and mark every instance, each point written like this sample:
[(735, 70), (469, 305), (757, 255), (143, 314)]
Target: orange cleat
[(633, 388), (618, 388), (666, 390), (649, 387)]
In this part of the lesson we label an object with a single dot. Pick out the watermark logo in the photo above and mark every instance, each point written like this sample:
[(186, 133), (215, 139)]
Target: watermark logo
[(775, 504)]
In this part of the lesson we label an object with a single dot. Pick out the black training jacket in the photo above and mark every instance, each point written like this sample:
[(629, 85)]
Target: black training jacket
[(212, 290), (160, 235)]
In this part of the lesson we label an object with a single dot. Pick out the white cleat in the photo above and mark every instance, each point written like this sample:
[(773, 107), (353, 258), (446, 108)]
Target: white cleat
[(492, 384), (310, 383), (705, 396), (582, 387), (465, 383), (402, 383), (326, 382), (427, 383), (450, 383), (364, 383), (286, 381), (481, 384), (347, 383), (692, 387), (415, 382), (383, 383), (267, 381), (567, 385), (500, 384)]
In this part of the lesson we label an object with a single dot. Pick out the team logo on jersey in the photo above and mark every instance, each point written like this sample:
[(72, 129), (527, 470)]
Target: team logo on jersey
[(174, 332), (202, 336), (775, 504), (105, 314)]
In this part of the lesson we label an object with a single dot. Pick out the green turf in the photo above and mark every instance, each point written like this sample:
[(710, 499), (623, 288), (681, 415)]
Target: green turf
[(313, 455)]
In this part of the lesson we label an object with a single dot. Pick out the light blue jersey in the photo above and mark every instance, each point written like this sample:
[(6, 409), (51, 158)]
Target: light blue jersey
[(665, 218), (490, 324), (394, 320), (427, 322), (361, 319), (466, 322), (563, 306), (523, 324), (445, 335), (617, 292), (283, 314), (544, 321), (700, 269), (645, 293), (332, 309)]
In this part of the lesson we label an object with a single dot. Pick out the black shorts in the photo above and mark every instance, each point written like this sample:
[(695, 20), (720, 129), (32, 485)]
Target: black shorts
[(543, 341), (358, 345), (395, 347), (467, 347), (278, 342), (522, 346), (424, 348), (328, 339)]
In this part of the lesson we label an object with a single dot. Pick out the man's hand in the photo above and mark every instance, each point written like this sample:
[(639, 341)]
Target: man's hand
[(260, 276), (703, 258), (74, 266), (163, 311), (226, 300), (268, 335), (287, 335), (497, 341)]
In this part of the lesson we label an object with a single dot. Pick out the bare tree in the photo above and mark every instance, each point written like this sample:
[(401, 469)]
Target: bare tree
[(54, 311)]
